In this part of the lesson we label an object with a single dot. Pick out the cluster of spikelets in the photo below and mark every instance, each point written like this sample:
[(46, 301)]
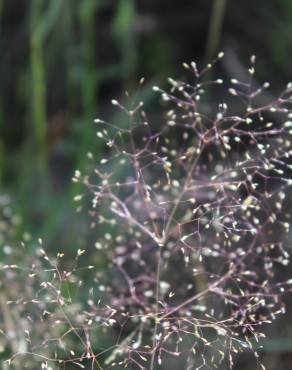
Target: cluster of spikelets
[(194, 216)]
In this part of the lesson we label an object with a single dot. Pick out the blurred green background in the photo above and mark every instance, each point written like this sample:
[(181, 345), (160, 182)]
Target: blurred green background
[(63, 60)]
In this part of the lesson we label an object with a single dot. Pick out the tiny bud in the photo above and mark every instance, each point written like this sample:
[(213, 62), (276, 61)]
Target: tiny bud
[(97, 120)]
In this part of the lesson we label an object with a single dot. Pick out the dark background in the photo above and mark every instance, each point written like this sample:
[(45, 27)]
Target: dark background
[(62, 61)]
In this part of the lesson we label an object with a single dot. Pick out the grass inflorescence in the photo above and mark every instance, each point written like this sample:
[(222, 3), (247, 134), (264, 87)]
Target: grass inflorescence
[(194, 213)]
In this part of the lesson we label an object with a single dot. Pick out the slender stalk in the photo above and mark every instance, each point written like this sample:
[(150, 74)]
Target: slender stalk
[(157, 295), (89, 78), (159, 260), (126, 38), (88, 24), (185, 187), (215, 28), (38, 85)]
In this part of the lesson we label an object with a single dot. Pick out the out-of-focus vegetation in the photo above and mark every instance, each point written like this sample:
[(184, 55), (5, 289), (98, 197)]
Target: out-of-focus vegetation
[(63, 60)]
